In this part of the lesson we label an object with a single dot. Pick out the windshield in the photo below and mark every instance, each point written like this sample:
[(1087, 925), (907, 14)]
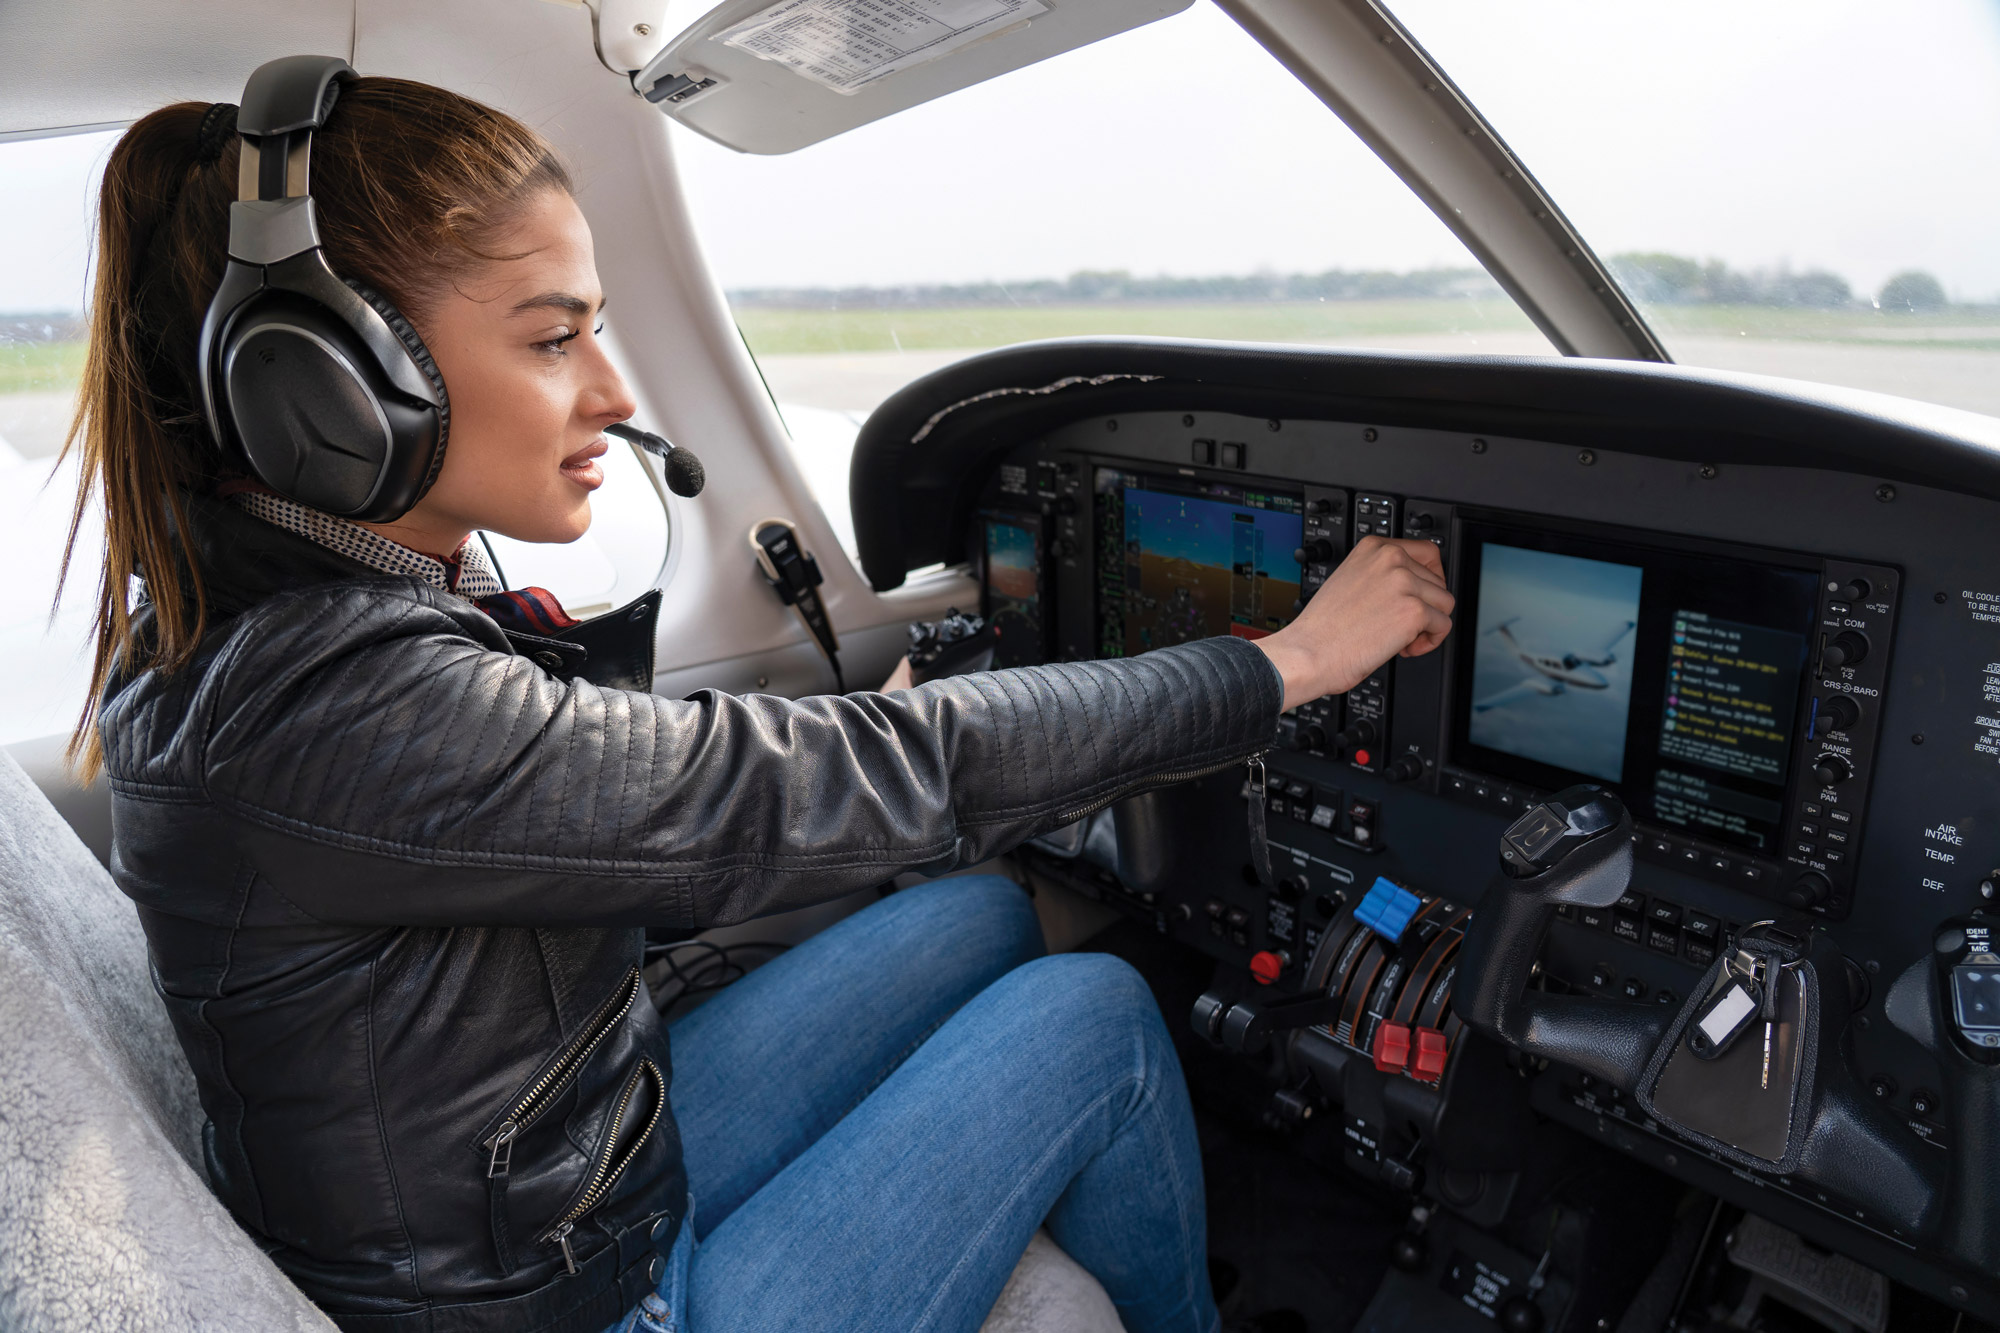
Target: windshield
[(1805, 188), (1174, 180)]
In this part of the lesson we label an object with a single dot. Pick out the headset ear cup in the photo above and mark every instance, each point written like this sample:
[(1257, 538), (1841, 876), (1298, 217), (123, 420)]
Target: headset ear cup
[(413, 342)]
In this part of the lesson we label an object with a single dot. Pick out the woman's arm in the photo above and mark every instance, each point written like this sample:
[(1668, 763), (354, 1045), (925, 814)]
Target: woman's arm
[(380, 764)]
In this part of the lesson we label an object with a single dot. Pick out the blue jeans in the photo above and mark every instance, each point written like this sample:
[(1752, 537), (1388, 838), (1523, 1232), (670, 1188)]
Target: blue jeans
[(877, 1121)]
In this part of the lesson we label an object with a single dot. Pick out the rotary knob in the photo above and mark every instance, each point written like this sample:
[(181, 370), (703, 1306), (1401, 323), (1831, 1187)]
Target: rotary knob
[(1844, 649), (1361, 731), (1315, 552), (1808, 891), (1836, 713), (1829, 769)]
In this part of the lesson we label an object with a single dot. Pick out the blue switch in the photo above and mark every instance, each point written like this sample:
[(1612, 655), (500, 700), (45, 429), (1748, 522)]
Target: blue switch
[(1387, 910)]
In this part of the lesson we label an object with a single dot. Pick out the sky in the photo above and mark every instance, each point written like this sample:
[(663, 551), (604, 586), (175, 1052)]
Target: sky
[(1840, 134)]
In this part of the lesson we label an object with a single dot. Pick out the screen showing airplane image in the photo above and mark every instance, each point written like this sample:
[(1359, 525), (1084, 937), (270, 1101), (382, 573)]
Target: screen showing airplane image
[(1673, 676), (1552, 675)]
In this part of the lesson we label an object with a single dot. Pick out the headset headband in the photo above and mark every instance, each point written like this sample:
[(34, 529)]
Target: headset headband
[(284, 102)]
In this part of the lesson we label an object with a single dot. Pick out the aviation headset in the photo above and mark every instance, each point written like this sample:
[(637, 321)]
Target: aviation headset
[(316, 382)]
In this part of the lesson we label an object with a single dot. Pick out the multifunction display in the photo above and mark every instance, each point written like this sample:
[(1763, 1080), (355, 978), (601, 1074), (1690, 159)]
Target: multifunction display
[(1675, 677), (1181, 559)]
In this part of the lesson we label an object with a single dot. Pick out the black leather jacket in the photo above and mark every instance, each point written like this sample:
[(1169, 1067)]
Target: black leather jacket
[(395, 868)]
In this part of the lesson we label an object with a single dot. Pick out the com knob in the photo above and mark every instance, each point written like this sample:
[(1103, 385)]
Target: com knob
[(1418, 523), (1835, 713), (1808, 891), (1829, 769), (1318, 551), (1844, 649), (1852, 590)]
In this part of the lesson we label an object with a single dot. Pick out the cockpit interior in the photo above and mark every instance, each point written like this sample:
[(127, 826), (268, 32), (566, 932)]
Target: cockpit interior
[(1626, 963)]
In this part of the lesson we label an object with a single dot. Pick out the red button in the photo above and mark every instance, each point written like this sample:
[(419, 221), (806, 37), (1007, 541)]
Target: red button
[(1428, 1066), (1392, 1047), (1265, 966), (1361, 757)]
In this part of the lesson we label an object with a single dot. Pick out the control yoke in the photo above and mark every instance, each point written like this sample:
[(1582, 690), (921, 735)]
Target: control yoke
[(1574, 849)]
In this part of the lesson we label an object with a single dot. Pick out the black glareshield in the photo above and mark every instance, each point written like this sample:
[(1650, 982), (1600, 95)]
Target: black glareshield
[(685, 474)]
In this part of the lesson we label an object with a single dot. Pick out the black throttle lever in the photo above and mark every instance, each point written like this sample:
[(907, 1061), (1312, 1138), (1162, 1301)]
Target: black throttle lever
[(1246, 1026)]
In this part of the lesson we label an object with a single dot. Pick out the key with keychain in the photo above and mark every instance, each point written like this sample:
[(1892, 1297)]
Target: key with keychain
[(1734, 1072)]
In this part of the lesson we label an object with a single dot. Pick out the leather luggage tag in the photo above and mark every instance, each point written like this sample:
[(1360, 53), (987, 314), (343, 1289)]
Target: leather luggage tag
[(1732, 1097)]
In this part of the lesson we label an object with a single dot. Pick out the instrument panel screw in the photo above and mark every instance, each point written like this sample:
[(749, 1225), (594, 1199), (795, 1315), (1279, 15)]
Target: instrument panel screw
[(643, 29), (762, 681), (1917, 739), (1369, 435), (1587, 457), (1885, 492), (1939, 598), (1187, 419), (1478, 446), (1708, 471), (1274, 424), (1111, 423)]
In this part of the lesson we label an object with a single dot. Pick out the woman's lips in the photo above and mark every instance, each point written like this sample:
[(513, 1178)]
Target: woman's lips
[(581, 467)]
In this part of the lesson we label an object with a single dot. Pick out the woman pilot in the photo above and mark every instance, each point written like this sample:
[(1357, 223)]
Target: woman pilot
[(395, 868)]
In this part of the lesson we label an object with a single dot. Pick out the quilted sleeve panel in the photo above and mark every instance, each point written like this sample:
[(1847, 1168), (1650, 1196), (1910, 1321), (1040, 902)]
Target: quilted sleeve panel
[(386, 766)]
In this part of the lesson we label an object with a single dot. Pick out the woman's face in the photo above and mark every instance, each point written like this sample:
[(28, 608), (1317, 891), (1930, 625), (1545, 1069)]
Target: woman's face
[(531, 389)]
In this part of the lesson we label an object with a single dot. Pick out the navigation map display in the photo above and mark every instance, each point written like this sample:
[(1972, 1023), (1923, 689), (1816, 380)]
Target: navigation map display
[(1673, 677), (1180, 559)]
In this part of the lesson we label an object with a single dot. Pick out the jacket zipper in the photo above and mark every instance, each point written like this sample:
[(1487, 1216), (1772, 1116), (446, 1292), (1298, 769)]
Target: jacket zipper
[(606, 1171), (1146, 784), (542, 1095)]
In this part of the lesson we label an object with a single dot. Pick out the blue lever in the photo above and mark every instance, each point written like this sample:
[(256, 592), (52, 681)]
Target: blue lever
[(1387, 909)]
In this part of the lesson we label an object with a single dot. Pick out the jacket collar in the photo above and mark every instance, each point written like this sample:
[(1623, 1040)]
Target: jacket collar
[(243, 560)]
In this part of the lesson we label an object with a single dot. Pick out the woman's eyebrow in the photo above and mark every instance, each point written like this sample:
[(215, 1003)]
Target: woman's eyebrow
[(563, 301)]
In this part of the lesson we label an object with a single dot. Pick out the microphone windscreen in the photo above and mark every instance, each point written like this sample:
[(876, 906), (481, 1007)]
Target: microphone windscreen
[(685, 476)]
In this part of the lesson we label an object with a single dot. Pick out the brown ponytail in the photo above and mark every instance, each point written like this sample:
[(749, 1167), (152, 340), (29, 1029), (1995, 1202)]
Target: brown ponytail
[(410, 184)]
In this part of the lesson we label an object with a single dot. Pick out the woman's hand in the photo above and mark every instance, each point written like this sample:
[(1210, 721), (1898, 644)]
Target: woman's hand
[(899, 679), (1386, 599)]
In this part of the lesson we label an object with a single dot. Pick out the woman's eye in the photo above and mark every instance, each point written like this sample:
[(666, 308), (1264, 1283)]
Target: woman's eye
[(555, 345)]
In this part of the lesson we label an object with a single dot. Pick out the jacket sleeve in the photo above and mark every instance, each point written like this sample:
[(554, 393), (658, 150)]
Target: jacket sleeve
[(380, 764)]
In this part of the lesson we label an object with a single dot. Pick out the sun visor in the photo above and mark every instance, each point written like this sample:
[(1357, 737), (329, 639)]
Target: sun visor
[(772, 76)]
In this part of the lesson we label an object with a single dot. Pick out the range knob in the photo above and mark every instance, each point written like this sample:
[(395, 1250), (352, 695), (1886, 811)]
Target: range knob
[(1844, 649), (1361, 731), (1318, 551), (1836, 712), (1808, 891), (1829, 769)]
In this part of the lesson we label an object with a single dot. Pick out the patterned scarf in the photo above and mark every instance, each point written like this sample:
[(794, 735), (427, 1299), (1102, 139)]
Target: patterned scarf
[(464, 573)]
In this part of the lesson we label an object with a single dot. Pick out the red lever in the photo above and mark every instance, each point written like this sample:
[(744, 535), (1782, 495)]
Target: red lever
[(1428, 1066), (1392, 1047), (1265, 966)]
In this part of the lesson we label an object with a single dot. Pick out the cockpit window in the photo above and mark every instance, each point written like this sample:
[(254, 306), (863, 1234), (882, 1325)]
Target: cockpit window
[(1794, 188), (45, 235), (1172, 181)]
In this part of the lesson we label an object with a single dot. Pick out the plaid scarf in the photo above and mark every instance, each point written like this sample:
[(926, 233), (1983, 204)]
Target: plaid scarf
[(464, 573)]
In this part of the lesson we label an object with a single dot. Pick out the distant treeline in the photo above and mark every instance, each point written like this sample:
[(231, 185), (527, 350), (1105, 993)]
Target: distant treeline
[(1663, 278), (1107, 287), (1650, 277), (42, 328)]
